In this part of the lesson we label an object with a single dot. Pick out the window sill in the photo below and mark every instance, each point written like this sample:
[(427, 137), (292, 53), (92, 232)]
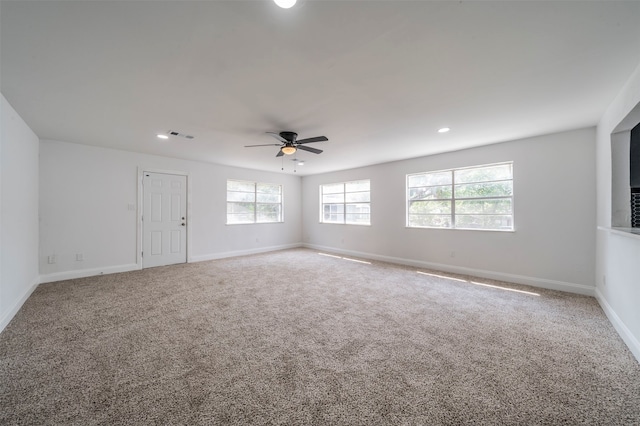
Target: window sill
[(253, 223), (624, 232), (345, 224), (461, 229)]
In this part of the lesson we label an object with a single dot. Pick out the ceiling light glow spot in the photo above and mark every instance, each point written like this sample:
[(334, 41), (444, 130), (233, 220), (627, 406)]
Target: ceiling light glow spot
[(285, 4), (163, 136), (443, 130)]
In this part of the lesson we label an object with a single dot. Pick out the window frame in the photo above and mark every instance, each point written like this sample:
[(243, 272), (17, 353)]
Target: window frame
[(254, 202), (452, 200), (344, 202)]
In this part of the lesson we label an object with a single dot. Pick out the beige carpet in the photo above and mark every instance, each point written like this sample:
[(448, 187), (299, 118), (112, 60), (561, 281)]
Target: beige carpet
[(294, 337)]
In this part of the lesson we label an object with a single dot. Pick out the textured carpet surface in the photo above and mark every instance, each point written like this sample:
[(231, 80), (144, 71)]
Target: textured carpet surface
[(295, 337)]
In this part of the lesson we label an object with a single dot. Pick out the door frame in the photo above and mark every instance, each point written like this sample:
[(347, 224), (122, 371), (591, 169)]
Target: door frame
[(139, 227)]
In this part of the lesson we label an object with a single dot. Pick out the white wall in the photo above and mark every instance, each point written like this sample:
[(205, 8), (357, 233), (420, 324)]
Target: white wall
[(84, 208), (19, 212), (620, 179), (618, 254), (553, 245)]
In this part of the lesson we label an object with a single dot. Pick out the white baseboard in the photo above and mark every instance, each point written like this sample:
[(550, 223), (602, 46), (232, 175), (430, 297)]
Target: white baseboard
[(493, 275), (82, 273), (8, 316), (223, 255), (632, 343)]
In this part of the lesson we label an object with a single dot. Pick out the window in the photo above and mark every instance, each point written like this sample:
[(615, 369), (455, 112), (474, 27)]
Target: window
[(251, 202), (347, 202), (470, 198)]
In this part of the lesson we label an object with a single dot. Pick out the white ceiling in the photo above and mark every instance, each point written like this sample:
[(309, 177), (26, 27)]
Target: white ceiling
[(378, 78)]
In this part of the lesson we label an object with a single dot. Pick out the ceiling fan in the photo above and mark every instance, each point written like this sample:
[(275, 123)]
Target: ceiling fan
[(289, 143)]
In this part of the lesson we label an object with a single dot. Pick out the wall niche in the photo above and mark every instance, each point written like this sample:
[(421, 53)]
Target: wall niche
[(625, 172)]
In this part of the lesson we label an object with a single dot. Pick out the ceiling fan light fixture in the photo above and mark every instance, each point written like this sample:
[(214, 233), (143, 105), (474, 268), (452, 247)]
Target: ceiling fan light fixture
[(285, 4), (288, 150)]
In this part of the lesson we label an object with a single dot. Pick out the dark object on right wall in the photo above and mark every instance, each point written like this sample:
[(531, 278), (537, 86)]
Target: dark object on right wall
[(634, 176)]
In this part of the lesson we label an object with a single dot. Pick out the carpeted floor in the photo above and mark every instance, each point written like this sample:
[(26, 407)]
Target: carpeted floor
[(294, 337)]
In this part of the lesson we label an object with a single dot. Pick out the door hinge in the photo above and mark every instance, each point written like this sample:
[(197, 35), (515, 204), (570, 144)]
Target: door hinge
[(141, 254)]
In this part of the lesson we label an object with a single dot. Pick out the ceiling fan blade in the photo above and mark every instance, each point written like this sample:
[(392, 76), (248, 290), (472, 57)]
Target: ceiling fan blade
[(308, 148), (311, 140), (280, 153), (264, 144), (277, 136)]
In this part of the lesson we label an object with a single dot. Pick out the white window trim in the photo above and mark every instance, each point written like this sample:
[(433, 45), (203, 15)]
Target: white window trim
[(453, 199), (255, 202)]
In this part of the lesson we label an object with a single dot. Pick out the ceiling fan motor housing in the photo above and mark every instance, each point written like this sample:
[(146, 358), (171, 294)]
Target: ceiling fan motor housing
[(289, 136)]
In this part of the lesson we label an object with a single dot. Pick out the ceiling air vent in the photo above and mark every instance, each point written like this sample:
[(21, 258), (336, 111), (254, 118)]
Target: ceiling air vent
[(182, 135)]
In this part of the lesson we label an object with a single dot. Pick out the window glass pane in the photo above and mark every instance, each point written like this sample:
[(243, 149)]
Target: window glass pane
[(268, 188), (333, 208), (497, 222), (234, 185), (333, 188), (359, 185), (246, 208), (333, 218), (358, 218), (354, 197), (502, 206), (430, 193), (430, 207), (434, 220), (240, 196), (357, 196), (483, 174), (480, 190), (242, 206), (268, 212), (239, 218), (483, 198), (333, 198), (358, 208), (430, 179), (268, 198)]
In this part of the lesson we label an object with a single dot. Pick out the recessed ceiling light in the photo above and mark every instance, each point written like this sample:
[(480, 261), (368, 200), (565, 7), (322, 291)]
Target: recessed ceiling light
[(285, 4), (300, 163), (163, 136), (444, 130)]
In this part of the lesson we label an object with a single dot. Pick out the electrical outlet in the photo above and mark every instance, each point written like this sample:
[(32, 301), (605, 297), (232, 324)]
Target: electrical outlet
[(79, 257), (51, 259), (453, 253)]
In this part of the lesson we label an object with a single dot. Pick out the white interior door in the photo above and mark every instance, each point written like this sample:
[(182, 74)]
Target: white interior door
[(164, 219)]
